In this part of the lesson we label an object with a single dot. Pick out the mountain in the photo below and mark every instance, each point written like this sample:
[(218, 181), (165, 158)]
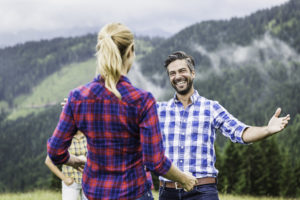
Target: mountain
[(35, 77), (250, 65)]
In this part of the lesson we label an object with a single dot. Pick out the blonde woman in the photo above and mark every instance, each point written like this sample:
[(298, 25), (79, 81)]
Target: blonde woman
[(121, 125), (71, 178)]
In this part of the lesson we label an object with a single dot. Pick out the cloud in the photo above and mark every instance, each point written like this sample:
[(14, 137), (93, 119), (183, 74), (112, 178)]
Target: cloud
[(261, 54), (139, 80), (153, 17)]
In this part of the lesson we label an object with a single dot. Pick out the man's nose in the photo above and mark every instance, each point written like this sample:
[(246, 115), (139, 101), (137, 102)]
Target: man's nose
[(177, 75)]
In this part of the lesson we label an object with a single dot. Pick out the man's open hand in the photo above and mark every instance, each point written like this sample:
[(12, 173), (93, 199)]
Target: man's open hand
[(276, 123)]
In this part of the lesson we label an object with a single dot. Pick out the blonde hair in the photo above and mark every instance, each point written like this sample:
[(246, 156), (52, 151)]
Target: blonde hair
[(114, 42)]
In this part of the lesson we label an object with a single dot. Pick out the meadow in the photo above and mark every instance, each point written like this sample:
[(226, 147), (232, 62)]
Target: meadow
[(56, 195)]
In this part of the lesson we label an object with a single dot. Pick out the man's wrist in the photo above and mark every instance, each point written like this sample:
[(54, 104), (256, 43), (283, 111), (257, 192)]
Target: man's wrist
[(267, 131), (71, 160)]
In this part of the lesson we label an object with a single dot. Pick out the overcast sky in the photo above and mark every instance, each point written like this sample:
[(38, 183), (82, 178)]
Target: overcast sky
[(23, 20)]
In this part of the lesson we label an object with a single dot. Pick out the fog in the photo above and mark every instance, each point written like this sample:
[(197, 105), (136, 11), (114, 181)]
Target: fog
[(261, 54)]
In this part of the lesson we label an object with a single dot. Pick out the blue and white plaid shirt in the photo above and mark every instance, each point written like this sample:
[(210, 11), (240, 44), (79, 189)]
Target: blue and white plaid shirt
[(189, 134)]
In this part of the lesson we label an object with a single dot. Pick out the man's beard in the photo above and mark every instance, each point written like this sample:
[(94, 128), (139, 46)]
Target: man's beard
[(186, 90)]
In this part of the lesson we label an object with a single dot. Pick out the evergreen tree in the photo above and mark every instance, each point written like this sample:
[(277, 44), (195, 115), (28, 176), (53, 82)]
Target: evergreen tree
[(219, 166), (272, 167), (256, 169), (232, 167), (297, 178), (244, 183), (289, 178)]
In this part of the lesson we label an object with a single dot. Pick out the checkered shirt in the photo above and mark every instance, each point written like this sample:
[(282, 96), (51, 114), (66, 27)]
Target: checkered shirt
[(78, 147), (189, 134), (123, 136)]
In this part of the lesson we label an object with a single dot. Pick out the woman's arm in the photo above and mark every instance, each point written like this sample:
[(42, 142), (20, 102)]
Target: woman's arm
[(57, 172)]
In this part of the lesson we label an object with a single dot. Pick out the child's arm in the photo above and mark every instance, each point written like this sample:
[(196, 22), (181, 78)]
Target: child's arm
[(67, 180)]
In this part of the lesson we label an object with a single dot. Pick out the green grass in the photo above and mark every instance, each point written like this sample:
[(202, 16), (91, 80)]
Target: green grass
[(54, 195), (54, 88), (36, 195)]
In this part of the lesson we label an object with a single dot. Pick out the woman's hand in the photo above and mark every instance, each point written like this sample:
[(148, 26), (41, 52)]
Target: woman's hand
[(68, 181)]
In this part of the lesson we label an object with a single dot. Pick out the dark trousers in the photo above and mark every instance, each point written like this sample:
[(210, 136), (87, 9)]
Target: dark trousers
[(146, 196), (201, 192)]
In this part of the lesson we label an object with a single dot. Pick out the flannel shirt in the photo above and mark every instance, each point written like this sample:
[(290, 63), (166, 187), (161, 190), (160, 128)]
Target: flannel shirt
[(78, 147), (122, 137), (189, 134)]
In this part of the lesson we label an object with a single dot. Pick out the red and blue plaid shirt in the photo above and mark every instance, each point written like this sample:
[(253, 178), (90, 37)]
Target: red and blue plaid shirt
[(123, 136)]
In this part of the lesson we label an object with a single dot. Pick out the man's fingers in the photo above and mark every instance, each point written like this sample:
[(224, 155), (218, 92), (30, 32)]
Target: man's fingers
[(64, 102), (80, 169), (277, 113)]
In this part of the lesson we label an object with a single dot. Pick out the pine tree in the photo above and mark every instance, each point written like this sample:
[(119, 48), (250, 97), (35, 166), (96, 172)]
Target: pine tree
[(256, 169), (243, 186), (219, 166), (232, 167), (273, 167), (297, 179), (288, 179)]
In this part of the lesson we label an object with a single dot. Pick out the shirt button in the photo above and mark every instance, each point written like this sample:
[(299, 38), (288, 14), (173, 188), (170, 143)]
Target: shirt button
[(180, 161), (182, 147)]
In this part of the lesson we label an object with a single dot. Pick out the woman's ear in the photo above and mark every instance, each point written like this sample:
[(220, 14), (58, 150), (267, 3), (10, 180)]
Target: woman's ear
[(130, 51), (128, 54)]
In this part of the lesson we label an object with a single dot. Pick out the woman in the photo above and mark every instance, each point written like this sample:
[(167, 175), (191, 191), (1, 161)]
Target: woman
[(121, 126), (70, 177)]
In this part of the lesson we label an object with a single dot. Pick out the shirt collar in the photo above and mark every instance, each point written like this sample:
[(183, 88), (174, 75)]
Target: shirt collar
[(194, 97), (78, 137), (122, 78)]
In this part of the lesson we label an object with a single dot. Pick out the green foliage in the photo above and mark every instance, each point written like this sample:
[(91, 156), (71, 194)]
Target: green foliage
[(24, 66), (54, 88), (260, 169), (23, 151), (291, 138)]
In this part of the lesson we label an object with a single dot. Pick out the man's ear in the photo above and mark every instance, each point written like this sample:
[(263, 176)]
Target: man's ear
[(193, 74)]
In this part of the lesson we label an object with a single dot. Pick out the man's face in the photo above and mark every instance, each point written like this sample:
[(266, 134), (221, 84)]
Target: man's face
[(181, 77)]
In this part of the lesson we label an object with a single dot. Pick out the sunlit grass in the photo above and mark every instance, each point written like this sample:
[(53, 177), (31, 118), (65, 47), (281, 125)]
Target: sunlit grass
[(235, 197), (54, 88), (36, 195)]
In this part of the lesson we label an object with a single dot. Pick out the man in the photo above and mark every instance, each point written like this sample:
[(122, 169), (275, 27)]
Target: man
[(189, 122)]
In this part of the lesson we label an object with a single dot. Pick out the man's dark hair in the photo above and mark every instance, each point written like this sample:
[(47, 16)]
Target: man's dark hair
[(180, 55)]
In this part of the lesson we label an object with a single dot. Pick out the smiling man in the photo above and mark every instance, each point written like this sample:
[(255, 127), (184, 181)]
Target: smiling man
[(189, 122)]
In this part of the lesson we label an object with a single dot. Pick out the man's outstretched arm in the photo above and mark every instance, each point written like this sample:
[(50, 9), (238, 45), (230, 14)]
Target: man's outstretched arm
[(275, 125)]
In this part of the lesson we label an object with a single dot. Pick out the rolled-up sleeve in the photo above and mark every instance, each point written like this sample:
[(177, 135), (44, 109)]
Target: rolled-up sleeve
[(59, 142), (151, 140), (228, 125)]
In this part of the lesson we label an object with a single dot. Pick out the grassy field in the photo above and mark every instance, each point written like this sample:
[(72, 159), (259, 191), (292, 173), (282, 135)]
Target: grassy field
[(53, 195), (54, 88)]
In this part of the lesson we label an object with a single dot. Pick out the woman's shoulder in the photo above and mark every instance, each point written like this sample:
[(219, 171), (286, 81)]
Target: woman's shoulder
[(86, 91), (137, 96)]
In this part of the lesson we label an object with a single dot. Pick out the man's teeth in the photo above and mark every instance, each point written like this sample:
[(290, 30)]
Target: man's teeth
[(181, 83)]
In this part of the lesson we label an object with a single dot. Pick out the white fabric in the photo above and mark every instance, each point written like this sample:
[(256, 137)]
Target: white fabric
[(72, 192)]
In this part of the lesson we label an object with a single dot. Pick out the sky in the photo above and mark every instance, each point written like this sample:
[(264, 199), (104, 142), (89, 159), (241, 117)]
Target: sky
[(26, 20)]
